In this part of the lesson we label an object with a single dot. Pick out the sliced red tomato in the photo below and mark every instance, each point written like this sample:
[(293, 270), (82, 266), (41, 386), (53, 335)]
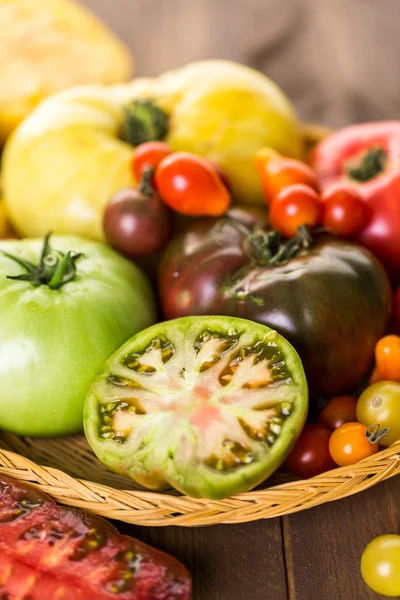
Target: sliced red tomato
[(48, 551)]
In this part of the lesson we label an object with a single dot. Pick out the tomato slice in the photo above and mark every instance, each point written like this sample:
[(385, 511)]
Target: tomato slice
[(48, 551), (208, 405)]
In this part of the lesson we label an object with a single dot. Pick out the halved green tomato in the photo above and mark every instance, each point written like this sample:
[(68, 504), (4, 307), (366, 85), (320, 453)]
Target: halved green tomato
[(208, 405)]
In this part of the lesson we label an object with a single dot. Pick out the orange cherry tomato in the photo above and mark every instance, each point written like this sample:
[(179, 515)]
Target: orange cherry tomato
[(278, 172), (148, 155), (295, 205), (345, 211), (191, 186), (387, 355), (339, 410), (348, 444)]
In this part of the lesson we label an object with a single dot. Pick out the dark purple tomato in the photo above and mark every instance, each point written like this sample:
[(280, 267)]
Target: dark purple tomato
[(330, 298), (310, 455), (136, 224)]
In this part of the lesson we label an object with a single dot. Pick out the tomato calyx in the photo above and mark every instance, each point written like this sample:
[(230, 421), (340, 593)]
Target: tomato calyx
[(146, 183), (267, 247), (143, 121), (375, 433), (55, 268), (371, 164)]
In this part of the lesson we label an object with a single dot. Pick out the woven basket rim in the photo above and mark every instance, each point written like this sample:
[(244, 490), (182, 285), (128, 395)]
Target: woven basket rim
[(161, 509)]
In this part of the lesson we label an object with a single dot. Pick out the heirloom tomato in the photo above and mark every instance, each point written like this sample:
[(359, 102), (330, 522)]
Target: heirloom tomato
[(208, 405), (365, 158), (330, 298), (65, 307), (50, 552)]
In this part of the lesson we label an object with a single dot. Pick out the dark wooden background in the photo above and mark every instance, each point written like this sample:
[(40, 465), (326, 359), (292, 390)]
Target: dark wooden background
[(338, 61)]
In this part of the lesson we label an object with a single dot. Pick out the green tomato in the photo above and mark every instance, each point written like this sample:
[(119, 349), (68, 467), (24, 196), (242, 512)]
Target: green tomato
[(59, 322), (208, 405), (380, 404), (380, 565)]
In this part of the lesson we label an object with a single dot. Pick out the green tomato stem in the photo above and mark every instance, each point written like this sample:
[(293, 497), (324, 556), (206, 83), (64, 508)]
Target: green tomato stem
[(55, 268), (143, 122), (371, 164), (145, 185)]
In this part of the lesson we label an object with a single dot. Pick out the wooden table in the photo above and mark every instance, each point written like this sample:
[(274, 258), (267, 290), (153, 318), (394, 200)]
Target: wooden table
[(311, 555)]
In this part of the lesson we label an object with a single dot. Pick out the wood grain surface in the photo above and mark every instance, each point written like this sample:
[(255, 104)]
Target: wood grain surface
[(325, 56), (337, 60), (312, 555)]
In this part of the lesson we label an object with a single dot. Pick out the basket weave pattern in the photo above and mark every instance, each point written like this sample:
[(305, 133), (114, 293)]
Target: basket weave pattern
[(159, 509)]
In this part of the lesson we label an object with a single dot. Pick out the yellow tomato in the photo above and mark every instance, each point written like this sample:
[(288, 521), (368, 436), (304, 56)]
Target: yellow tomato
[(49, 46), (5, 229), (69, 156)]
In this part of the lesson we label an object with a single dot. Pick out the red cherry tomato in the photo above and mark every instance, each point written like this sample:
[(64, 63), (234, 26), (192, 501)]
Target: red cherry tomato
[(190, 185), (278, 172), (345, 211), (310, 455), (339, 410), (387, 355), (148, 155), (295, 205)]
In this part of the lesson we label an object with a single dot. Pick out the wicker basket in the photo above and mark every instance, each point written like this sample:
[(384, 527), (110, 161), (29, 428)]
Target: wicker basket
[(67, 470), (74, 476)]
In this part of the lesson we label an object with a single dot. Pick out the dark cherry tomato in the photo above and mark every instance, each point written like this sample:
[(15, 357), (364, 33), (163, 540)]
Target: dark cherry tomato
[(396, 306), (278, 172), (148, 155), (339, 410), (387, 355), (345, 211), (136, 224), (295, 205), (190, 185), (310, 455)]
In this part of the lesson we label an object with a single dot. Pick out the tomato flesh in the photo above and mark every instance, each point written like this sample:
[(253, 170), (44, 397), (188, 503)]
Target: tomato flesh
[(48, 551), (208, 405)]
